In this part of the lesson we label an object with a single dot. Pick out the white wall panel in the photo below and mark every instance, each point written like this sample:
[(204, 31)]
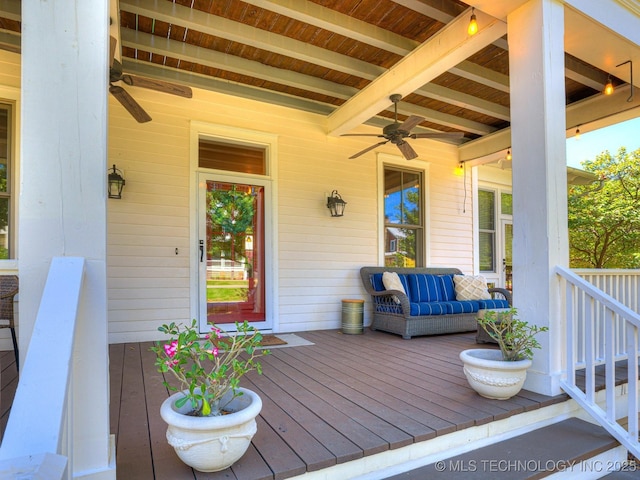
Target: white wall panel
[(318, 256)]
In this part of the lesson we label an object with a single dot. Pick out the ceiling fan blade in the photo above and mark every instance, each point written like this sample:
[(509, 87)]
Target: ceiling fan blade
[(437, 135), (129, 104), (368, 149), (410, 122), (112, 50), (406, 149), (158, 85), (361, 135)]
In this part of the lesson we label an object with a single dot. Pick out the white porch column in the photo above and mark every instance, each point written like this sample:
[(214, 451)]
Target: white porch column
[(540, 232), (63, 198)]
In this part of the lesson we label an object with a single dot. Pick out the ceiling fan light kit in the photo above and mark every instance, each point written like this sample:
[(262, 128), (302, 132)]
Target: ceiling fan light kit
[(397, 132)]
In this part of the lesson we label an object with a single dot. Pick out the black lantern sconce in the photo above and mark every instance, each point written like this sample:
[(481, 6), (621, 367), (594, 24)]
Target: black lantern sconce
[(116, 183), (336, 204)]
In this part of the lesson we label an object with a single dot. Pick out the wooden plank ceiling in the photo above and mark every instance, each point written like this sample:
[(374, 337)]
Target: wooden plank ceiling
[(316, 55)]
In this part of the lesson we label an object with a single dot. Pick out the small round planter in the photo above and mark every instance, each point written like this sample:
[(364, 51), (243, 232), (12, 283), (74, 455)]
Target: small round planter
[(491, 376), (210, 444)]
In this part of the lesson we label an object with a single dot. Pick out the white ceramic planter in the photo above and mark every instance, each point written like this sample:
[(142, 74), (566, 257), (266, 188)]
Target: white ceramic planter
[(491, 376), (210, 444)]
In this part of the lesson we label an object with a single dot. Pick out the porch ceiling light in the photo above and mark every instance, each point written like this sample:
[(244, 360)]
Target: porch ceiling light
[(116, 183), (336, 204), (472, 29), (608, 88), (509, 156)]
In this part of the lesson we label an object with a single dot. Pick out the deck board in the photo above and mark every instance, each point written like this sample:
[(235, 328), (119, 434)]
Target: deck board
[(345, 397)]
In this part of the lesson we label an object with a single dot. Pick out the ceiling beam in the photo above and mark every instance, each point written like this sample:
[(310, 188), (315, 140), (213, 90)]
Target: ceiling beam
[(339, 23), (482, 75), (190, 53), (600, 110), (442, 51), (323, 18), (192, 19), (211, 58), (11, 9), (445, 119), (205, 82)]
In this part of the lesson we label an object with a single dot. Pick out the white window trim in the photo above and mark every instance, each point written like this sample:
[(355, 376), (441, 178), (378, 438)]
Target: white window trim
[(11, 96), (383, 159)]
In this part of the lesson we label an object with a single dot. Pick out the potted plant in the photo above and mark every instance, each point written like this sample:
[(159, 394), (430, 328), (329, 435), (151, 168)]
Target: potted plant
[(500, 374), (211, 419)]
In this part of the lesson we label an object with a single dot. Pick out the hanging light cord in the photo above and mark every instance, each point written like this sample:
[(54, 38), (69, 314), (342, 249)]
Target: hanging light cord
[(630, 99)]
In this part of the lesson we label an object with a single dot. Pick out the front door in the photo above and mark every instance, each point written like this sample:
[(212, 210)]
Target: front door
[(231, 251)]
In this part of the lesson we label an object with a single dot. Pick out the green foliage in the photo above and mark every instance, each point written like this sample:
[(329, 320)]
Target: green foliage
[(515, 337), (208, 368), (604, 218)]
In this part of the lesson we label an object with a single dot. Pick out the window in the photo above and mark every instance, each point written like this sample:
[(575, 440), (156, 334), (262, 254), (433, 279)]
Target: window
[(487, 230), (230, 157), (403, 217), (6, 217)]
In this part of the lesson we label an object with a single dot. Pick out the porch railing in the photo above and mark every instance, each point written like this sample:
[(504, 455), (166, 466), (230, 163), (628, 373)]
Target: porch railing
[(39, 431), (600, 331)]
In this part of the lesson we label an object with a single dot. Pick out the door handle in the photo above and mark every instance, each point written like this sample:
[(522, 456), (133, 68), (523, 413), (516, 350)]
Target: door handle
[(201, 250)]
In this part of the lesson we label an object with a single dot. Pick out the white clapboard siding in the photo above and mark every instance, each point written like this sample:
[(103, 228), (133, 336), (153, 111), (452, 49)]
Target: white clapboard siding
[(317, 257)]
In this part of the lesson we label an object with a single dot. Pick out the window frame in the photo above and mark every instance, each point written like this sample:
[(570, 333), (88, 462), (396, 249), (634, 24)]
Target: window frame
[(395, 162), (10, 194)]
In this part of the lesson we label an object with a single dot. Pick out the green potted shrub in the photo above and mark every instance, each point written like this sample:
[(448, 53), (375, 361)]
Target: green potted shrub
[(500, 374)]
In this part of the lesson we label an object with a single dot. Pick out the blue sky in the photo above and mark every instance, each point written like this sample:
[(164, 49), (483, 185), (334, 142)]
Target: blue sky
[(591, 144)]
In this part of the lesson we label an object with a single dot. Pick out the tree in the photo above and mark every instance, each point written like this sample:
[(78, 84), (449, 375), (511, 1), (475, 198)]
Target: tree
[(604, 218)]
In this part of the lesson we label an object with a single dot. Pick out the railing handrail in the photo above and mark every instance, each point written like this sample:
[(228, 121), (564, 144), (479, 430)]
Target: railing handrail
[(597, 294), (39, 423), (615, 314)]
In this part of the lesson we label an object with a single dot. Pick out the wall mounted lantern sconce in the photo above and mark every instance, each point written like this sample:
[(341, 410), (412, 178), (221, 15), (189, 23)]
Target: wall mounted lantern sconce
[(116, 183), (336, 204)]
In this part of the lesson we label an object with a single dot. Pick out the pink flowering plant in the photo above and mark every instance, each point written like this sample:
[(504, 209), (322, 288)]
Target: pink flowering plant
[(207, 368)]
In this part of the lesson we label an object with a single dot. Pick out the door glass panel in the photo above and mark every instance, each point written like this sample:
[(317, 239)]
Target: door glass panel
[(235, 269), (508, 259)]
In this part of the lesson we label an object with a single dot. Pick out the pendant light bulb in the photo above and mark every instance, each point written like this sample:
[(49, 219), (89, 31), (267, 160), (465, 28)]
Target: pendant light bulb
[(608, 88), (577, 135), (509, 156), (472, 29)]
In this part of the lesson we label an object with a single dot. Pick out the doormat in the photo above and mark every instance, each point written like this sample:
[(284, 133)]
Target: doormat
[(281, 340), (269, 340)]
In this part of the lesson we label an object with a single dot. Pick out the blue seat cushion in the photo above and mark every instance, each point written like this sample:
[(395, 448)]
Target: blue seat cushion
[(423, 288), (466, 306), (493, 303), (428, 308)]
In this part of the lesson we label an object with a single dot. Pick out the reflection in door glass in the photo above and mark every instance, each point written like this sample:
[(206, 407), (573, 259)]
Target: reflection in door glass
[(235, 252)]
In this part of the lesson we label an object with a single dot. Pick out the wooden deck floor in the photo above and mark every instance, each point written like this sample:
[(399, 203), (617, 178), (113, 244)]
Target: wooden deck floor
[(342, 398)]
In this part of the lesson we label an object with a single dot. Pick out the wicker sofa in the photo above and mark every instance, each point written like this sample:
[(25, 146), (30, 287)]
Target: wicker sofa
[(406, 315)]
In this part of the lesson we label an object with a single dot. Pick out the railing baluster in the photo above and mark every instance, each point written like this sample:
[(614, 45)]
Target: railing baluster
[(570, 337), (607, 331), (610, 366), (632, 378), (590, 369)]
